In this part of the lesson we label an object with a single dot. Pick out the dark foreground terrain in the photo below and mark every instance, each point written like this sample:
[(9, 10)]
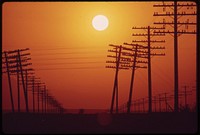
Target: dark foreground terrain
[(30, 123)]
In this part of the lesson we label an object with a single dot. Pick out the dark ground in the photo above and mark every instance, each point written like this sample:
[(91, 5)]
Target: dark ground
[(24, 123)]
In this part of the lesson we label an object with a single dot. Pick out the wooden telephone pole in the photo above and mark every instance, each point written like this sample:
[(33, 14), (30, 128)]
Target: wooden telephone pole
[(175, 33), (117, 50), (134, 53), (149, 41), (14, 61)]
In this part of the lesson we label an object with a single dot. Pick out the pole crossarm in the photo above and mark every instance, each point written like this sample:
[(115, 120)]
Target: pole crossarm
[(14, 56), (160, 34), (133, 45), (178, 4), (15, 65), (179, 23), (178, 32), (172, 14), (148, 28), (15, 61), (16, 51), (152, 41)]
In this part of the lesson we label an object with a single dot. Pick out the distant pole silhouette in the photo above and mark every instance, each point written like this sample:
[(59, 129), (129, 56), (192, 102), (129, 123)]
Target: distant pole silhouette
[(159, 99), (38, 96), (166, 101), (185, 95), (33, 94), (26, 73), (138, 105), (47, 98), (143, 104), (42, 98), (45, 107), (18, 87), (9, 82), (155, 102)]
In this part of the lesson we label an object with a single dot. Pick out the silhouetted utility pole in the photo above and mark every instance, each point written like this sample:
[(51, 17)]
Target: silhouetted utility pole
[(39, 85), (176, 24), (18, 87), (18, 76), (42, 92), (47, 102), (138, 105), (27, 82), (134, 102), (160, 100), (14, 63), (154, 100), (198, 57), (33, 92), (25, 94), (9, 81), (149, 41), (163, 97), (117, 50), (56, 106), (134, 53), (34, 80), (166, 103), (143, 104), (45, 91), (185, 92)]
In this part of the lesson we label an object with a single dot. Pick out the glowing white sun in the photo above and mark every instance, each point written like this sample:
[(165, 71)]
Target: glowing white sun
[(100, 22)]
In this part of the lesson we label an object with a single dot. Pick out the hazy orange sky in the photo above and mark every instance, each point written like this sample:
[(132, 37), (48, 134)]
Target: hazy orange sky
[(69, 55)]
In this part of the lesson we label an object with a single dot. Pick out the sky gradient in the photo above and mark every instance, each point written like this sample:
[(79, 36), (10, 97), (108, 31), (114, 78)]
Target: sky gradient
[(69, 55)]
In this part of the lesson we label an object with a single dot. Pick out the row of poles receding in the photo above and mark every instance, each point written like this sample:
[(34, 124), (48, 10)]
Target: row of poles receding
[(17, 63), (141, 49), (161, 102)]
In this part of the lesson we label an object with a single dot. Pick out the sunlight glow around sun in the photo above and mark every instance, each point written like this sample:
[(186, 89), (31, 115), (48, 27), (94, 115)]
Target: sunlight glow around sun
[(100, 22)]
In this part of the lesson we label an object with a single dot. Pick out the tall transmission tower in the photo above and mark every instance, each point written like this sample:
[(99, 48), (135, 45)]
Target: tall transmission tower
[(176, 15), (149, 35)]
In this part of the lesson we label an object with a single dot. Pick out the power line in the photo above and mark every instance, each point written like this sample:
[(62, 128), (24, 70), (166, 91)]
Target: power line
[(68, 58), (39, 54), (68, 68), (65, 48), (44, 64)]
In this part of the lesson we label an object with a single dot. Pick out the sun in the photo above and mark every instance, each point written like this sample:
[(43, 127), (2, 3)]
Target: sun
[(100, 22)]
